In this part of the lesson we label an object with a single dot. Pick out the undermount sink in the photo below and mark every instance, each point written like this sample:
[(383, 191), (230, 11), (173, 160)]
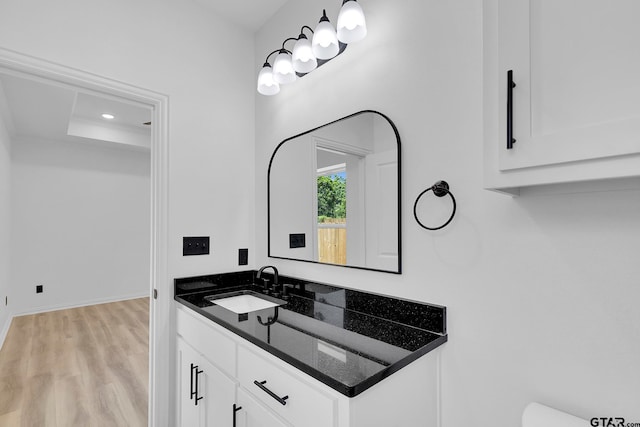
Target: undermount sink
[(244, 301)]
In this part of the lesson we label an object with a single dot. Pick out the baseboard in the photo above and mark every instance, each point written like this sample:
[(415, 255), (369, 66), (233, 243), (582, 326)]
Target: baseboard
[(5, 330), (80, 304)]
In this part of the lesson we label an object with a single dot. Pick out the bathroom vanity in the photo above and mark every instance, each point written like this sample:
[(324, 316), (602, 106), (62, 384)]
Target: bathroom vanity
[(317, 356)]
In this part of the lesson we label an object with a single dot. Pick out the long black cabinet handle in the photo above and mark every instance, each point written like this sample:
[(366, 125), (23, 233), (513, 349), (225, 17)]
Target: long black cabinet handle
[(192, 393), (235, 409), (281, 400), (510, 85), (194, 388)]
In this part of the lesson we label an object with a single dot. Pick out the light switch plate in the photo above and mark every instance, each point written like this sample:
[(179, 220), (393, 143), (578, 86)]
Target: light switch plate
[(195, 246)]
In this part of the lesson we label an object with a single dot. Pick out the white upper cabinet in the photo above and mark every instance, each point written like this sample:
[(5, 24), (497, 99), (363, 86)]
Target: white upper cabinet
[(576, 101)]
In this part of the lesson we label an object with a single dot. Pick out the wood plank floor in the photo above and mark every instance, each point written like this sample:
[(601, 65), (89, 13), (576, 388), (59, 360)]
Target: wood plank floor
[(85, 366)]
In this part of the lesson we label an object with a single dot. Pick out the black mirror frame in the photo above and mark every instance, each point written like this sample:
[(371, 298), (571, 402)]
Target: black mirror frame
[(395, 130)]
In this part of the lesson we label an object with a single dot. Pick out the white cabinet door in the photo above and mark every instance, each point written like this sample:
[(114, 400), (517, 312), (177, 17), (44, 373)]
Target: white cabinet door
[(575, 64), (253, 414), (206, 395), (189, 414), (218, 394)]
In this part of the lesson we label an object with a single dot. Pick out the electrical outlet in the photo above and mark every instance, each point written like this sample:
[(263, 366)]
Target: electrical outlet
[(297, 240), (39, 289), (243, 256)]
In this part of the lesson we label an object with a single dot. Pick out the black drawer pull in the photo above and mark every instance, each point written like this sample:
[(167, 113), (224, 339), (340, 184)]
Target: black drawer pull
[(281, 400), (510, 85)]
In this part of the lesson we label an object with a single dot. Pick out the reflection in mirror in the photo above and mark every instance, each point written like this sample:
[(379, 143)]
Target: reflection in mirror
[(334, 195)]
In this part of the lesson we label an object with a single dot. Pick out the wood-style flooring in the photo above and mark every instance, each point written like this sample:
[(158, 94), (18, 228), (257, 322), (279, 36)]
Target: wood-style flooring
[(84, 366)]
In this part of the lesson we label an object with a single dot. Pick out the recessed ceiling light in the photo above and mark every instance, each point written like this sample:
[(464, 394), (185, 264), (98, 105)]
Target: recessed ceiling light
[(108, 116)]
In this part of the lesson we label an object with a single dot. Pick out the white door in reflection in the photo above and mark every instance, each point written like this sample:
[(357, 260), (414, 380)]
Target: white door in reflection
[(382, 217)]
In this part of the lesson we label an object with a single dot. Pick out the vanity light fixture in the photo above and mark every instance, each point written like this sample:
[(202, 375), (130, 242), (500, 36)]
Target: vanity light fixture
[(326, 43), (283, 71), (351, 24), (108, 116), (325, 40), (266, 83), (304, 60)]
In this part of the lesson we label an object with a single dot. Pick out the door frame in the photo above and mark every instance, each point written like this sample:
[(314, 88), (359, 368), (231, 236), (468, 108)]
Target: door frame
[(160, 355)]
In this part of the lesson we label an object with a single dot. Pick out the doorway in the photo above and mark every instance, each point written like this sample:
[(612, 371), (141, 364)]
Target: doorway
[(58, 76)]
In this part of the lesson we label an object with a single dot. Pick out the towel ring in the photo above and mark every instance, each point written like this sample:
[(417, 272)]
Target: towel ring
[(440, 189)]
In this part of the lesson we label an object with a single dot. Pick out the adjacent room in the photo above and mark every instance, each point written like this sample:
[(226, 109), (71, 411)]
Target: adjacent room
[(79, 236)]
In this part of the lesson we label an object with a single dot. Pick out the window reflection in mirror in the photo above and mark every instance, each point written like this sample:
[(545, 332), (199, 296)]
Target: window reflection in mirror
[(338, 186), (332, 206)]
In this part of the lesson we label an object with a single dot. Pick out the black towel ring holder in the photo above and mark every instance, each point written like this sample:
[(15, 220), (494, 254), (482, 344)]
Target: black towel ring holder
[(440, 189)]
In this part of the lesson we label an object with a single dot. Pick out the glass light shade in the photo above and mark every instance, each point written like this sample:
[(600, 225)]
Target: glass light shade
[(266, 84), (304, 61), (283, 71), (325, 41), (351, 24)]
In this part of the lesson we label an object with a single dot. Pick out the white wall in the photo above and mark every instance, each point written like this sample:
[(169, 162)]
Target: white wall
[(5, 223), (293, 174), (541, 290), (181, 49), (80, 224)]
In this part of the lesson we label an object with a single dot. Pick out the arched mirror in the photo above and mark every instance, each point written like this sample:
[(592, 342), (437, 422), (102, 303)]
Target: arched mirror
[(334, 195)]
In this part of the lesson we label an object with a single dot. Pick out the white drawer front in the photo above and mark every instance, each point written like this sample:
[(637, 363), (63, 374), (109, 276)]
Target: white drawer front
[(254, 414), (201, 333), (304, 405)]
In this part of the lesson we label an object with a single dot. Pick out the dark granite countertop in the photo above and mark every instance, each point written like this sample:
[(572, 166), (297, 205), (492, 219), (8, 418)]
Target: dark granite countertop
[(349, 340)]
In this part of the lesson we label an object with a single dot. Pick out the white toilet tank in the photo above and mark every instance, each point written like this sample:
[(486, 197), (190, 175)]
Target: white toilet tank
[(537, 415)]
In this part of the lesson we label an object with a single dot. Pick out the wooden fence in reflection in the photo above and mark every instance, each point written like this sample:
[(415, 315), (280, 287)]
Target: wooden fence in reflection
[(332, 245)]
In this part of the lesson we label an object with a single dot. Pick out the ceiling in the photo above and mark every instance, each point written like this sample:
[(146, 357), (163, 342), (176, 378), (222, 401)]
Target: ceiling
[(36, 109), (39, 110), (250, 14)]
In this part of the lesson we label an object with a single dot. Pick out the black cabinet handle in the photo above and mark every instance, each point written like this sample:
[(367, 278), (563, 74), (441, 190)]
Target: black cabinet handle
[(194, 384), (281, 400), (235, 409), (198, 372), (510, 85), (192, 393)]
